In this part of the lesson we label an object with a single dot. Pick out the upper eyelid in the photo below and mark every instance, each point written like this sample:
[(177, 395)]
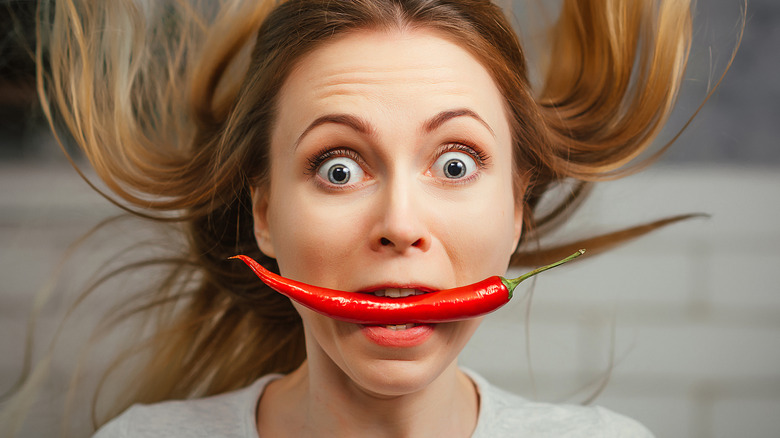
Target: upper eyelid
[(316, 160), (479, 155)]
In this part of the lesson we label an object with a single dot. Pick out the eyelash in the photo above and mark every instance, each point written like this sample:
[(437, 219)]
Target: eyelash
[(324, 154), (477, 153), (314, 162)]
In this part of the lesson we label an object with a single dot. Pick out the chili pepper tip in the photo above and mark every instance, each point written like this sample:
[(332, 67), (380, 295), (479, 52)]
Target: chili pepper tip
[(511, 283)]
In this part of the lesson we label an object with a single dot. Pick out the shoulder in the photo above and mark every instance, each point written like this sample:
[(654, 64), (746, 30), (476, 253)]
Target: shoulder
[(225, 415), (503, 414)]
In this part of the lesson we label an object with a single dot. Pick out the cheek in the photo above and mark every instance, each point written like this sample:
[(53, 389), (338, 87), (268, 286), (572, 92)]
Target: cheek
[(479, 236), (313, 239)]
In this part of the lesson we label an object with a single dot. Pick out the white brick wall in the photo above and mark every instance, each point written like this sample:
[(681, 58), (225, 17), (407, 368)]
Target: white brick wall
[(694, 309)]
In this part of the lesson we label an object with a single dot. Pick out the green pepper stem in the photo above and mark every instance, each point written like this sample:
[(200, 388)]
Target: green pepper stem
[(511, 283)]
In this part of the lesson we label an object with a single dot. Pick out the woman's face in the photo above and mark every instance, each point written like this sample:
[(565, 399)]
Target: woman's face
[(391, 167)]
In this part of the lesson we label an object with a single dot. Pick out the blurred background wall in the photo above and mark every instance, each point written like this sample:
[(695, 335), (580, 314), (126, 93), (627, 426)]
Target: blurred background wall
[(684, 323)]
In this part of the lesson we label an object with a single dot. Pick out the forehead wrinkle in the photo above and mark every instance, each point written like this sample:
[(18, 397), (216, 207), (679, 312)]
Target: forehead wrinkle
[(353, 70), (366, 88), (348, 81)]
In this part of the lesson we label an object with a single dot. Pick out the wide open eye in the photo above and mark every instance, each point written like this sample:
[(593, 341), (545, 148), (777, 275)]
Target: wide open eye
[(340, 171), (454, 165)]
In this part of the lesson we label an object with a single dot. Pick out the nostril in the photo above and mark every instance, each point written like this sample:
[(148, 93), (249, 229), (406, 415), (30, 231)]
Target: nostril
[(384, 242)]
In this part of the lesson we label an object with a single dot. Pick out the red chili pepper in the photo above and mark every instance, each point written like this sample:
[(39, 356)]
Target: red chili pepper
[(363, 308)]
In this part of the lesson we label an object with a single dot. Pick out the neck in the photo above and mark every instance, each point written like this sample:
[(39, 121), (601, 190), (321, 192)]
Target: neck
[(313, 403)]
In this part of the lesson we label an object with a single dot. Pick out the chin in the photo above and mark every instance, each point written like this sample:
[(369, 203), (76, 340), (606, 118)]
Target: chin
[(387, 378)]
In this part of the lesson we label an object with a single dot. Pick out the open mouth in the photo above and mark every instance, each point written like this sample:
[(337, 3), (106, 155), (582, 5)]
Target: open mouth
[(396, 292), (396, 327)]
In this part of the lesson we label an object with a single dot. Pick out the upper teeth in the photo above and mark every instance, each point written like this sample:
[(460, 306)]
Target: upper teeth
[(397, 292), (399, 326)]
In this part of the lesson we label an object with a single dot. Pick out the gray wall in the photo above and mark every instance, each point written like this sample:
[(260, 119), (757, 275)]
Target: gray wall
[(741, 123)]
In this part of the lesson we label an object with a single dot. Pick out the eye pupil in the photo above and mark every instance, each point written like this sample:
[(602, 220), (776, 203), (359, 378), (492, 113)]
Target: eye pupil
[(454, 169), (338, 174)]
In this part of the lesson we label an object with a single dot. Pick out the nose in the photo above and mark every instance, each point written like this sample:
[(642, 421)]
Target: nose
[(400, 224)]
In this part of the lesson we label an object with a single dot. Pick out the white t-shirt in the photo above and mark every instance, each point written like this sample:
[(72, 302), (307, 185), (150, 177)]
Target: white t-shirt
[(501, 415)]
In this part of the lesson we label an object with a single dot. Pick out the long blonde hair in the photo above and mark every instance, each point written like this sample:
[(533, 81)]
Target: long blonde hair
[(172, 103)]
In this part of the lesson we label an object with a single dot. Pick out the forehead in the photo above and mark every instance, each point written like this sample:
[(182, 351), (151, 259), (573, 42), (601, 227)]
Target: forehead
[(412, 58), (419, 70)]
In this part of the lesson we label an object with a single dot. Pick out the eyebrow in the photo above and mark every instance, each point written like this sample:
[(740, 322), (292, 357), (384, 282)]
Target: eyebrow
[(362, 126), (353, 122), (439, 119)]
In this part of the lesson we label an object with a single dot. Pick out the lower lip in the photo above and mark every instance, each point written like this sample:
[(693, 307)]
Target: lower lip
[(410, 337)]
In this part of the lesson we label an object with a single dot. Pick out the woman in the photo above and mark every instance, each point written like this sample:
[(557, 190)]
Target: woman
[(373, 146)]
